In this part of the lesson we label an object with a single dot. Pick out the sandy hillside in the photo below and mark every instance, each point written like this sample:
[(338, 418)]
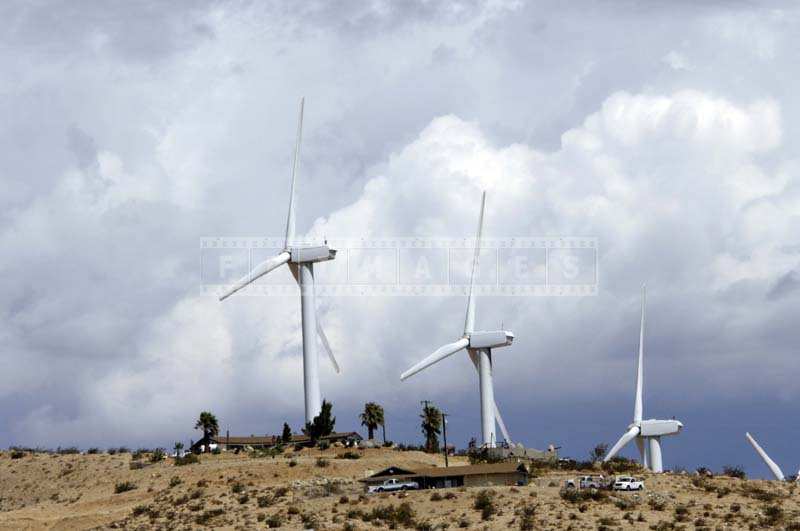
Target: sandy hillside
[(294, 491)]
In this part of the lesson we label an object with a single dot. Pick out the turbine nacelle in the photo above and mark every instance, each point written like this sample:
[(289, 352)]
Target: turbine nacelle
[(659, 428), (317, 253), (489, 339)]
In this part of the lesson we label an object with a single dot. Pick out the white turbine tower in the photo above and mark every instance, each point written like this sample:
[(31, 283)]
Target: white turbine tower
[(772, 465), (301, 259), (647, 433), (479, 345)]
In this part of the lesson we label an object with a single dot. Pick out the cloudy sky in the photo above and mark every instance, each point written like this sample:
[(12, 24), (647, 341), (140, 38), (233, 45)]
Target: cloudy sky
[(129, 131)]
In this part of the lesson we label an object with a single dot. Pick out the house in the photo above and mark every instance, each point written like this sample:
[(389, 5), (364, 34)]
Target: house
[(236, 443), (485, 475)]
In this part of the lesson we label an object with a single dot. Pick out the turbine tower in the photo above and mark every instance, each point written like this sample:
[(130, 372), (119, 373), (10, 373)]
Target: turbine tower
[(772, 465), (301, 259), (647, 433), (479, 345)]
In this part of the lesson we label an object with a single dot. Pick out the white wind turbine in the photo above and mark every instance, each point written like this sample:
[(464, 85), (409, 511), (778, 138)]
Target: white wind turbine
[(301, 260), (773, 467), (647, 433), (479, 345)]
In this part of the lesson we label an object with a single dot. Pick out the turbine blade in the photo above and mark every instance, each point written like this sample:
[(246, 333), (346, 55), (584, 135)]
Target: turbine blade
[(327, 346), (638, 406), (295, 164), (502, 424), (440, 354), (625, 439), (259, 271), (772, 465), (469, 322)]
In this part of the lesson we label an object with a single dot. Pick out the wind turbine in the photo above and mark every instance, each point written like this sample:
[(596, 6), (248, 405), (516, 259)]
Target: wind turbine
[(647, 433), (479, 345), (301, 259), (773, 467)]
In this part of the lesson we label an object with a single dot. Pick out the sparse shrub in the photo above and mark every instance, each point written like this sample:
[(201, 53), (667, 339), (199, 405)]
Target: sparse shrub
[(188, 459), (484, 502), (111, 451), (216, 451), (350, 455), (734, 472), (773, 515), (136, 465), (343, 500), (263, 501), (310, 520), (657, 503), (735, 507), (323, 445), (322, 462), (157, 456), (293, 463), (280, 492), (681, 513), (450, 496), (244, 498), (17, 454), (175, 481), (237, 488), (464, 523), (274, 521), (206, 516), (140, 510), (70, 450), (583, 495), (436, 496), (124, 486), (93, 451), (526, 515), (759, 493), (293, 510), (123, 450)]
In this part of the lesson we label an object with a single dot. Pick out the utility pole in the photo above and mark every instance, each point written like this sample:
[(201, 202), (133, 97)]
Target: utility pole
[(444, 434)]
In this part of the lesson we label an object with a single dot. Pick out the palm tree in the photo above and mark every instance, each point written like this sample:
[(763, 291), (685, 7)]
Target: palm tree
[(372, 417), (178, 448), (208, 423), (431, 427)]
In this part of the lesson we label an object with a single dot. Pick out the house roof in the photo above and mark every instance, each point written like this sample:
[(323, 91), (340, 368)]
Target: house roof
[(437, 471)]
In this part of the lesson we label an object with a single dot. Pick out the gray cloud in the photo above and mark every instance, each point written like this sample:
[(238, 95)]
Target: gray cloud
[(130, 131)]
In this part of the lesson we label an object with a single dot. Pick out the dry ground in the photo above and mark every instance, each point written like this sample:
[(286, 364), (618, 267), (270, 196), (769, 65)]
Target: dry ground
[(42, 491)]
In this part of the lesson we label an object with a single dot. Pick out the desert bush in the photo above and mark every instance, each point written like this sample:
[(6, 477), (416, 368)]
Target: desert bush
[(759, 493), (734, 472), (657, 503), (621, 465), (140, 510), (237, 488), (175, 481), (17, 453), (293, 463), (244, 498), (401, 515), (275, 521), (140, 453), (70, 450), (583, 495), (322, 462), (350, 455), (293, 510), (93, 451), (158, 455), (263, 501), (323, 445), (123, 450), (188, 459), (204, 517), (124, 486), (681, 513), (773, 515), (464, 523), (136, 465), (310, 520), (280, 492), (484, 502), (526, 515), (436, 496), (216, 451)]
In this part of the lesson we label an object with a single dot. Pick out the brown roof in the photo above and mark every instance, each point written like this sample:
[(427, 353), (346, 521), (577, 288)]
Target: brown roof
[(271, 439), (437, 471)]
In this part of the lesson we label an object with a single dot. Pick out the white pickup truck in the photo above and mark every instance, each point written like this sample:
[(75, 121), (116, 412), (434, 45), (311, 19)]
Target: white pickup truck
[(628, 483), (392, 485)]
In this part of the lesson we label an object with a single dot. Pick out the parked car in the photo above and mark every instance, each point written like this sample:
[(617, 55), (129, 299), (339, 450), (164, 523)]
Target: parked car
[(391, 485), (592, 482), (628, 483)]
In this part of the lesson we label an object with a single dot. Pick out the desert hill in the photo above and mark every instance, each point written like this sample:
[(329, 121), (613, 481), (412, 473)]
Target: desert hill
[(313, 488)]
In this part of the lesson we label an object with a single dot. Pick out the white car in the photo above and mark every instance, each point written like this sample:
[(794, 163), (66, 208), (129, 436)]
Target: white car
[(592, 482), (628, 483), (391, 485)]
